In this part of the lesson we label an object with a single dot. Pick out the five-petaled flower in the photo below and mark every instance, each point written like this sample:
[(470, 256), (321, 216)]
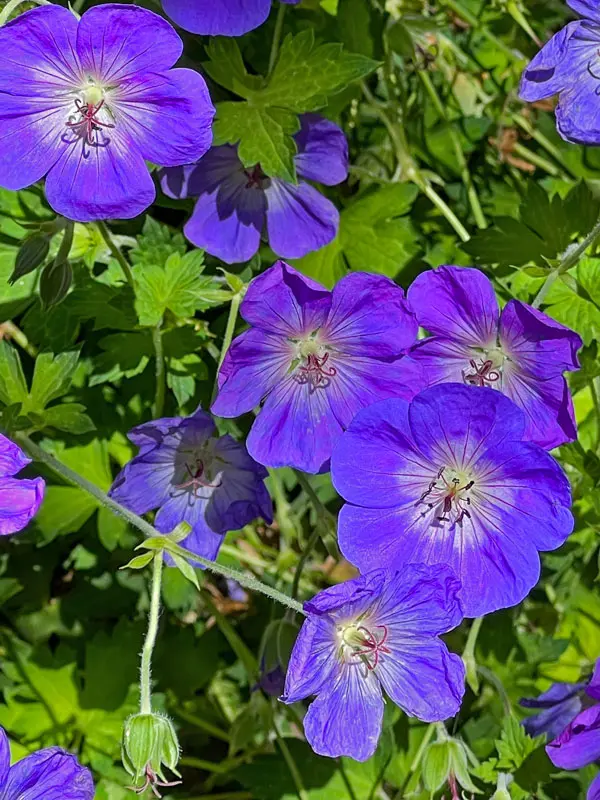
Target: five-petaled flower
[(193, 476), (49, 774), (520, 351), (87, 102), (219, 17), (377, 632), (316, 357), (448, 479), (20, 498), (237, 205), (569, 66)]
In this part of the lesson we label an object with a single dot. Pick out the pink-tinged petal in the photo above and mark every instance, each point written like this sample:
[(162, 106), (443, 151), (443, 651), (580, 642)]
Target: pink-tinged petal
[(541, 346), (115, 42), (299, 219), (256, 362), (313, 661), (12, 458), (100, 182), (369, 317), (209, 18), (168, 116), (284, 302), (547, 405), (346, 719), (456, 303), (295, 428), (579, 744), (19, 503), (549, 71), (322, 150), (456, 424)]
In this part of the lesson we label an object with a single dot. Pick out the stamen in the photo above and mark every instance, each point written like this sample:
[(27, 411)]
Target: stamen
[(152, 783), (449, 496), (196, 480), (368, 649), (315, 373), (482, 375), (88, 125)]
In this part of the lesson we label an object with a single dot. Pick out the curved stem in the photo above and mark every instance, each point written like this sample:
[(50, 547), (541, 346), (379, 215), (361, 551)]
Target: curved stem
[(545, 288), (148, 530), (116, 252), (234, 308), (66, 243), (13, 4), (441, 204), (276, 38), (146, 667), (289, 760), (314, 538), (159, 397)]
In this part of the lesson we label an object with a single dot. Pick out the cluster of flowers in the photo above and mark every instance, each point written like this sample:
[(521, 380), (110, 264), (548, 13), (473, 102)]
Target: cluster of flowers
[(439, 447)]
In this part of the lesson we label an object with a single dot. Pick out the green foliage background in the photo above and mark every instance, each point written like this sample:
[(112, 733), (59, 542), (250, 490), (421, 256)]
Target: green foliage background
[(448, 166)]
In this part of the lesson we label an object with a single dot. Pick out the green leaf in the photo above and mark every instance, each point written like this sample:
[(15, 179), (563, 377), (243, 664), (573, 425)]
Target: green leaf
[(264, 136), (515, 744), (372, 235), (575, 299), (139, 562), (354, 22), (226, 67), (183, 374), (125, 355), (51, 378), (69, 417), (185, 568), (325, 265), (307, 74), (156, 244), (105, 686), (13, 386)]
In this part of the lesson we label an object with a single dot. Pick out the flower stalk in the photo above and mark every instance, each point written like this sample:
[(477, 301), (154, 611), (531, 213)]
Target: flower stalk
[(150, 641)]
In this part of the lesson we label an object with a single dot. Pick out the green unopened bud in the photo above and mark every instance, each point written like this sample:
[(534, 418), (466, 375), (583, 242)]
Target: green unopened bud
[(32, 253), (436, 766), (149, 744), (502, 792), (446, 761), (55, 282)]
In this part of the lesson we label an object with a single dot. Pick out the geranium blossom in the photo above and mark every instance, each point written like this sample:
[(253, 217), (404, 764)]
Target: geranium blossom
[(193, 476), (20, 498), (315, 357), (219, 17), (519, 351), (448, 479), (569, 66), (86, 103), (374, 634), (50, 774), (237, 206)]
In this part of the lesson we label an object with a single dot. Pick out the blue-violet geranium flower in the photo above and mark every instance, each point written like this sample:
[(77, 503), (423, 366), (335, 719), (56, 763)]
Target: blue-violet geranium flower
[(219, 17), (20, 498)]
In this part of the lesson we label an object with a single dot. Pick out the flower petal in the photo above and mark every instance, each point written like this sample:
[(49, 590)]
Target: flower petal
[(593, 687), (52, 774), (593, 792), (295, 428), (579, 744), (255, 363), (456, 303), (145, 482), (548, 72), (12, 458), (100, 182), (369, 317), (313, 661), (282, 301), (322, 150), (231, 18), (299, 219), (588, 9), (116, 42), (19, 503), (4, 759), (554, 718), (346, 719), (577, 112), (168, 116)]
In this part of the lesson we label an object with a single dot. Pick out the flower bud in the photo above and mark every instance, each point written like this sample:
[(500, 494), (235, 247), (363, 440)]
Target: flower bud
[(276, 646), (502, 792), (149, 743)]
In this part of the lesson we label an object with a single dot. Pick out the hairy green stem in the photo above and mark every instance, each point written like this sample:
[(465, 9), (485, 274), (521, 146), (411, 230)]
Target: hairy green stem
[(276, 38), (161, 378), (66, 243), (116, 252), (234, 308), (13, 4), (150, 641), (249, 582)]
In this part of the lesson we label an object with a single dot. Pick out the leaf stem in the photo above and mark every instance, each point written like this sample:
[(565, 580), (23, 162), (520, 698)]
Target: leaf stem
[(149, 643), (469, 654), (289, 760), (276, 38), (314, 538), (161, 378), (116, 252), (234, 308), (148, 530)]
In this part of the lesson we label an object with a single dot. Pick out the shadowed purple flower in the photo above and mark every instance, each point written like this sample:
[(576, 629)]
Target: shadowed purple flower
[(237, 205), (219, 17), (521, 352), (377, 633), (20, 498), (579, 744), (569, 66), (51, 774), (192, 476), (559, 705), (447, 479), (88, 102), (315, 357)]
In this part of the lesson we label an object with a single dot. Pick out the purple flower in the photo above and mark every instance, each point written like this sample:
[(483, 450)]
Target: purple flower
[(447, 479), (579, 744), (376, 633), (559, 705), (51, 774), (237, 205), (521, 352), (315, 357), (89, 102), (19, 498), (192, 476), (219, 17), (569, 65)]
